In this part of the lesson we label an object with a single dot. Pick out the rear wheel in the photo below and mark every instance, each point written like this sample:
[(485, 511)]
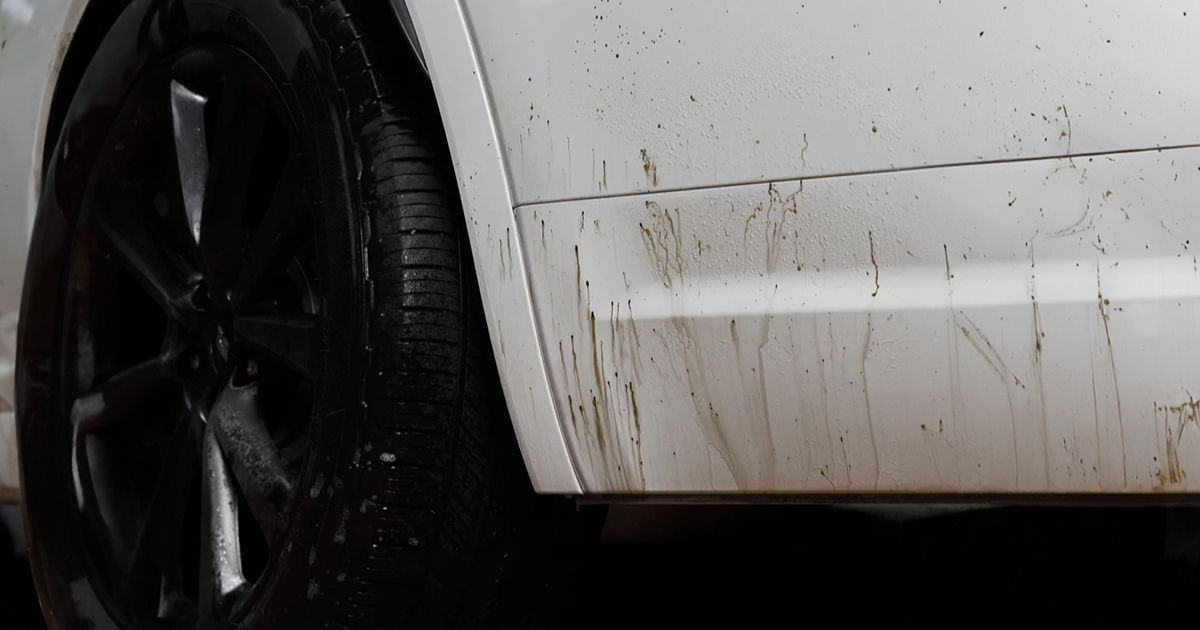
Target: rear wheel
[(254, 387)]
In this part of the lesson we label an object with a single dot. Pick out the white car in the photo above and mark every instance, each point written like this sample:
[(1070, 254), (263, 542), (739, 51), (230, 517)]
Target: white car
[(291, 275)]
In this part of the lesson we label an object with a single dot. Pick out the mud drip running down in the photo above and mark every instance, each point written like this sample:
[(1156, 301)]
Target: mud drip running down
[(1175, 419), (650, 168)]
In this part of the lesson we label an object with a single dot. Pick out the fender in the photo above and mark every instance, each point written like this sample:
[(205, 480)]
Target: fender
[(487, 198)]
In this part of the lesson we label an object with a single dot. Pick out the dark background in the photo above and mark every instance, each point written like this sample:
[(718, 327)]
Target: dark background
[(796, 566)]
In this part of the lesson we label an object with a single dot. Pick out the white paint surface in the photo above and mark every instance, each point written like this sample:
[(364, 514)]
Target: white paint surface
[(18, 11), (719, 92), (1034, 329)]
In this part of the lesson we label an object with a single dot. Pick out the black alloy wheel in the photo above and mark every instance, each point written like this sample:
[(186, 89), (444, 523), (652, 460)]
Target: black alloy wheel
[(194, 324)]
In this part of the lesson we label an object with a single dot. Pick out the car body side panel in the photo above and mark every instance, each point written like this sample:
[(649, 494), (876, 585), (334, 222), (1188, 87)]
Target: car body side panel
[(609, 97), (868, 246), (499, 262), (33, 41), (1022, 327)]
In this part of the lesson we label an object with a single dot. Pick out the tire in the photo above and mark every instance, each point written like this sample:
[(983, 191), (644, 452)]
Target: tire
[(264, 426)]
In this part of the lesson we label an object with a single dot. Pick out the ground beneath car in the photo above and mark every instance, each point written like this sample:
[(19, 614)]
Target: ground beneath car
[(755, 565)]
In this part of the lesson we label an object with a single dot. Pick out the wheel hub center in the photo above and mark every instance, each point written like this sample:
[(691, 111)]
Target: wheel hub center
[(212, 343)]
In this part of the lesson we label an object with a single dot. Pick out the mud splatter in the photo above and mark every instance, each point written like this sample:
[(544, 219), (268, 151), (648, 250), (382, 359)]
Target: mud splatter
[(650, 168), (661, 237), (1182, 415), (1102, 305), (874, 262), (978, 340)]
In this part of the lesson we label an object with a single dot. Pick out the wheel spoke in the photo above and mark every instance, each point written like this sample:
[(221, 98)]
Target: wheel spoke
[(221, 578), (290, 339), (241, 118), (159, 537), (118, 399), (260, 471), (166, 278), (179, 171), (191, 152), (275, 237)]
